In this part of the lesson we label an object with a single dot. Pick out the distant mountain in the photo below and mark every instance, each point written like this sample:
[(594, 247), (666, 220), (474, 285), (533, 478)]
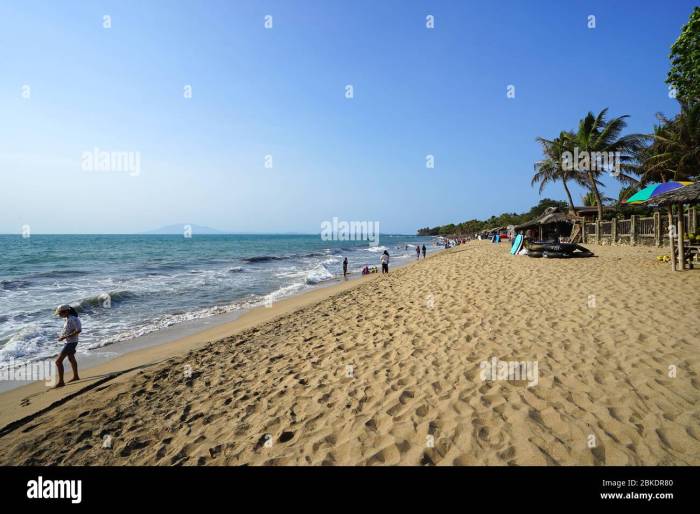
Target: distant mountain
[(180, 229)]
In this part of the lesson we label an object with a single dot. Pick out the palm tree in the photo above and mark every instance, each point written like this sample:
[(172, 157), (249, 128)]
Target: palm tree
[(550, 169), (674, 153), (596, 136), (590, 200)]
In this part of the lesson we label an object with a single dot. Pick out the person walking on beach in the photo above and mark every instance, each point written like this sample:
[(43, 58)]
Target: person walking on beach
[(69, 334), (345, 267), (424, 250), (417, 251), (385, 262)]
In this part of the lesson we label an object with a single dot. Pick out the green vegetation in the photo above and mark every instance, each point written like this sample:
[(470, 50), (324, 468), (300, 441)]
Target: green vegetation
[(589, 200), (674, 153), (684, 74), (596, 135), (577, 156), (507, 218), (550, 168)]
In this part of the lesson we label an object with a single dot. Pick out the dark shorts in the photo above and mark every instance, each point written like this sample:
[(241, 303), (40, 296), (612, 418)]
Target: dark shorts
[(69, 348), (385, 267)]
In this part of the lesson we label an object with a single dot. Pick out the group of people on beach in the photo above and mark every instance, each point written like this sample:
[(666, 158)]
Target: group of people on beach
[(384, 261), (385, 257)]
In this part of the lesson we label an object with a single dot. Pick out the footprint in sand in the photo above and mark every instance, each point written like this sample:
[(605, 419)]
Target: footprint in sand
[(406, 396), (215, 451), (426, 460), (133, 445), (598, 455), (286, 436), (422, 411)]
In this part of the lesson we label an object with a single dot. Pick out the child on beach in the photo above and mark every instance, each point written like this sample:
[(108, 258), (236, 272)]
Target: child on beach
[(345, 266), (69, 334), (385, 262)]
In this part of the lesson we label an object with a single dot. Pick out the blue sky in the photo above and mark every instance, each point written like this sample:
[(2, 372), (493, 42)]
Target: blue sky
[(281, 92)]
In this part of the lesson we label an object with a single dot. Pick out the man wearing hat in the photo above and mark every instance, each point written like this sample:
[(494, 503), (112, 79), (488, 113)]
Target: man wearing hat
[(69, 334)]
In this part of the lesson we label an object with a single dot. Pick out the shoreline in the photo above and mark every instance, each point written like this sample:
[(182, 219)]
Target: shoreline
[(130, 290), (153, 347)]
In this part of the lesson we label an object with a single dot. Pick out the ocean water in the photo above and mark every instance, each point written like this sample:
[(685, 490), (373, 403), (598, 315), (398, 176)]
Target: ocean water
[(125, 286)]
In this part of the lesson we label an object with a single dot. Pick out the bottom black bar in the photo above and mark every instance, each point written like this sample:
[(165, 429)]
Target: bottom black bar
[(339, 487)]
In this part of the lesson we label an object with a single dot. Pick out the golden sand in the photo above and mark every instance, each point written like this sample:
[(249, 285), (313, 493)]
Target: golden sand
[(388, 370)]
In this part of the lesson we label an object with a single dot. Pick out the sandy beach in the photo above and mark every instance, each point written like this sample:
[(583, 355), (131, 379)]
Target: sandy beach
[(390, 370)]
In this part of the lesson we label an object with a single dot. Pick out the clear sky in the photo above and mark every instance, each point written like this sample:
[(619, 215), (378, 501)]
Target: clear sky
[(282, 92)]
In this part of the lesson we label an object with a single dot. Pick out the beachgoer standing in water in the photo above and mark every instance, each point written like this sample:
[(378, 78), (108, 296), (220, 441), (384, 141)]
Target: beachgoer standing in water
[(345, 266), (385, 262), (417, 251), (71, 329), (424, 250)]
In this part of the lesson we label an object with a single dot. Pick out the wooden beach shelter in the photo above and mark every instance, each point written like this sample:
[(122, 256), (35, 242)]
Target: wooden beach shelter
[(551, 221), (689, 195)]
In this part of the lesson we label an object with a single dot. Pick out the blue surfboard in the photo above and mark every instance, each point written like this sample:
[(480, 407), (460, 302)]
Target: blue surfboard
[(517, 244)]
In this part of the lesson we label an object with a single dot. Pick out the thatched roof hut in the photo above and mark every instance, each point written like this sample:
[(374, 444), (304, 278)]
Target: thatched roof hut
[(687, 194), (551, 223), (551, 215)]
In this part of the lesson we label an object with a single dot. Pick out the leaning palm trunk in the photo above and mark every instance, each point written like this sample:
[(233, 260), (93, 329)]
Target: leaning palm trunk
[(594, 188), (568, 195)]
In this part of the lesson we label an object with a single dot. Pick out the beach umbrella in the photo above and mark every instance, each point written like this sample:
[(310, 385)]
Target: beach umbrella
[(649, 192), (690, 195)]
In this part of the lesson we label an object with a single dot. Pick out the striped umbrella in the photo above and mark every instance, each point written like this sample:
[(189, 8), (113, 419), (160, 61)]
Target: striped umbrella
[(653, 190)]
